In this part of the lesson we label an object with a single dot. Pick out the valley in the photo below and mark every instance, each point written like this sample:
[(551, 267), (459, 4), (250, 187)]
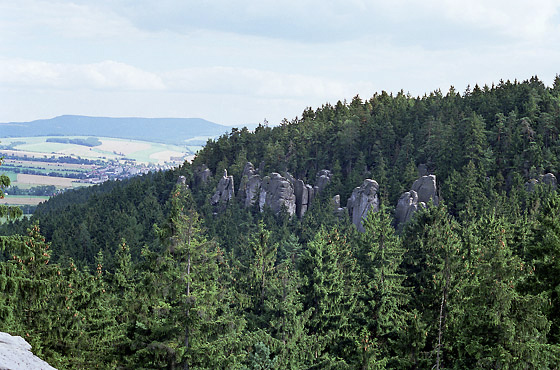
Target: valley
[(64, 163)]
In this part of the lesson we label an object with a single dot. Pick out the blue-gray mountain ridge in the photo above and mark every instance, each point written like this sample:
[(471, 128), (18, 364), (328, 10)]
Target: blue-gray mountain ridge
[(164, 130)]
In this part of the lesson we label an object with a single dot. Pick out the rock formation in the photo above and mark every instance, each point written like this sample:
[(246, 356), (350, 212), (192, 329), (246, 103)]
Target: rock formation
[(250, 185), (224, 191), (15, 354), (306, 193), (407, 205), (423, 190), (426, 189), (323, 179), (547, 179), (335, 202), (182, 180), (201, 175), (277, 192), (363, 199)]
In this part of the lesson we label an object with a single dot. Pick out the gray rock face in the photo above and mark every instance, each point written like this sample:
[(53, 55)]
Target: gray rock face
[(531, 184), (426, 189), (306, 193), (277, 192), (182, 180), (250, 185), (339, 211), (224, 191), (302, 197), (423, 190), (15, 354), (201, 175), (407, 205), (363, 199), (252, 189), (323, 179), (546, 179), (549, 179), (248, 170)]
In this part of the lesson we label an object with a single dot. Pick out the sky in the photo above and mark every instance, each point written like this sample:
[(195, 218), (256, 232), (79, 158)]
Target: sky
[(247, 61)]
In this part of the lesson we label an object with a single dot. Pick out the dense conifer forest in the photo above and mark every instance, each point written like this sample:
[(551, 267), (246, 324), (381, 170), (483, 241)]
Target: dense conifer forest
[(152, 273)]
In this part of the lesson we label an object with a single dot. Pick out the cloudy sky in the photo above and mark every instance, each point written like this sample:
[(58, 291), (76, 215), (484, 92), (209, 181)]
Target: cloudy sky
[(244, 61)]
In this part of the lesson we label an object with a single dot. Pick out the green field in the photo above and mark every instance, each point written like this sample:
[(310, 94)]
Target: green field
[(111, 149)]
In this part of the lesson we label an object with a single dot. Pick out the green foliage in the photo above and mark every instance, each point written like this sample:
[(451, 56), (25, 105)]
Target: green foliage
[(470, 283)]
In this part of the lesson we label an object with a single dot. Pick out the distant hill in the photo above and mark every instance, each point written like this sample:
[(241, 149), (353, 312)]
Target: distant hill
[(165, 130)]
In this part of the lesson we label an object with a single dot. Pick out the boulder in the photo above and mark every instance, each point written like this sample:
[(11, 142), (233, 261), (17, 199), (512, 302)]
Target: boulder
[(224, 191), (277, 192), (425, 188), (15, 354), (363, 199)]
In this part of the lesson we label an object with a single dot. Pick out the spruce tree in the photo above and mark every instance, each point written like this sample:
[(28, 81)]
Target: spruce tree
[(329, 287), (186, 320), (383, 318)]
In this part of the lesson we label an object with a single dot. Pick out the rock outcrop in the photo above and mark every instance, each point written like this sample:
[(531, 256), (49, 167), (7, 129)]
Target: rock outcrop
[(363, 199), (335, 202), (201, 175), (277, 192), (323, 179), (15, 354), (306, 193), (407, 205), (549, 179), (224, 191), (250, 185), (423, 191), (426, 189), (546, 179)]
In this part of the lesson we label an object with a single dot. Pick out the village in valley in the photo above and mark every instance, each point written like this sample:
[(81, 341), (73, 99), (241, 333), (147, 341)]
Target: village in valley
[(40, 169)]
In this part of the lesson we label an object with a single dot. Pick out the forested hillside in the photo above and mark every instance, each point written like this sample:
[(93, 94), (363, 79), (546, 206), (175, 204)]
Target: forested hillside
[(264, 267)]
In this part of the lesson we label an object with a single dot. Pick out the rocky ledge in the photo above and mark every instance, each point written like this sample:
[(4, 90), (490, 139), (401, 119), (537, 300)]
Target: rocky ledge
[(15, 354)]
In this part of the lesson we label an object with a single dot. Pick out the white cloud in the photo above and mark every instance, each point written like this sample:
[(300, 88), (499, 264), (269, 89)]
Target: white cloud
[(35, 18), (107, 75), (520, 19), (254, 82)]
